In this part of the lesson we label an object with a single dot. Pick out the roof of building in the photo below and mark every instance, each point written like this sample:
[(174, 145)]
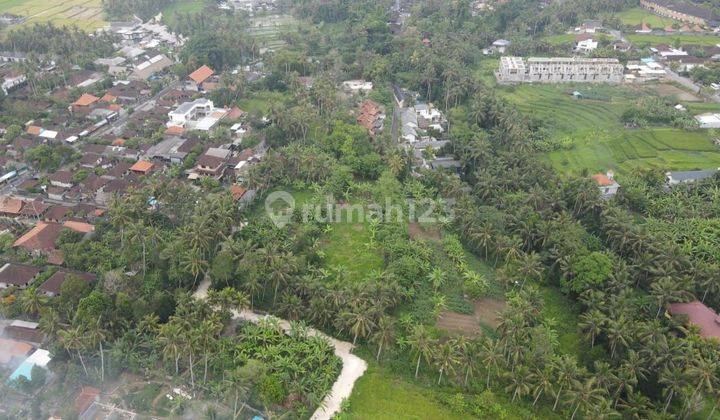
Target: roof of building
[(10, 205), (209, 161), (86, 99), (41, 237), (174, 130), (65, 177), (85, 398), (57, 212), (201, 74), (81, 227), (54, 283), (700, 315), (692, 175), (34, 208), (17, 274), (237, 191), (603, 180), (34, 130), (10, 349), (142, 166)]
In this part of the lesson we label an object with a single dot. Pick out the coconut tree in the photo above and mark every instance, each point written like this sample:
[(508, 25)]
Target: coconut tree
[(384, 334), (74, 339), (421, 345), (446, 358), (566, 371), (96, 334), (585, 394), (592, 323), (519, 382)]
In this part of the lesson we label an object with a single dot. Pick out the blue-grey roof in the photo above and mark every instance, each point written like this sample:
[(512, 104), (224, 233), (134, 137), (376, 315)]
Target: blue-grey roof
[(683, 176)]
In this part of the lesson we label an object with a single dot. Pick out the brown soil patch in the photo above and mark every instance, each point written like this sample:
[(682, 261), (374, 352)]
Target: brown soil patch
[(674, 91), (487, 312), (416, 231)]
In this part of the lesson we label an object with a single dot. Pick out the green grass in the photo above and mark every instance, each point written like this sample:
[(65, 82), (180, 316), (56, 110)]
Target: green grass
[(601, 141), (379, 394), (86, 14), (348, 245), (260, 101), (643, 40), (186, 6), (565, 313), (638, 15)]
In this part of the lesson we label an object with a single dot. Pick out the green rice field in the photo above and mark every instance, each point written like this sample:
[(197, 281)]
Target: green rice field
[(638, 15), (642, 40), (600, 140), (86, 14)]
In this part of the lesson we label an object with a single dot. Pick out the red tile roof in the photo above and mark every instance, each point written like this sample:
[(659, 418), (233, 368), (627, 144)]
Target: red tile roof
[(201, 74), (86, 100), (602, 180), (53, 284), (41, 237), (142, 166)]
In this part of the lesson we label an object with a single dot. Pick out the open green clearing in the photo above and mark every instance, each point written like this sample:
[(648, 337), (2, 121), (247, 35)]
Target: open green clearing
[(600, 140), (644, 40), (190, 6), (349, 250), (638, 15), (86, 14)]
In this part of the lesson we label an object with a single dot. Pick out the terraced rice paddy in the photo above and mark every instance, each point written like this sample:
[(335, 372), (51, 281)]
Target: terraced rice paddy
[(86, 14), (600, 140), (269, 28)]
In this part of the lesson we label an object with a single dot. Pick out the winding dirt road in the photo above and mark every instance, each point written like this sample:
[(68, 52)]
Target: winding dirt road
[(353, 367)]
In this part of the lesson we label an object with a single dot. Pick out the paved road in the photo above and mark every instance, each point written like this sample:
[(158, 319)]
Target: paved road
[(353, 367)]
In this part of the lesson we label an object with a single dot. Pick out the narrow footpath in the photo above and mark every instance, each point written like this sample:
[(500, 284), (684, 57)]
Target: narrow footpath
[(353, 367)]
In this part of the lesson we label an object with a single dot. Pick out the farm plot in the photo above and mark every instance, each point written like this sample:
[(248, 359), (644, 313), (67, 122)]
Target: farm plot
[(600, 139), (86, 14), (268, 30)]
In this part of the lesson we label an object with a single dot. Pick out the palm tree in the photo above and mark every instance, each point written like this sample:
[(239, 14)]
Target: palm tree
[(703, 372), (194, 263), (359, 321), (542, 380), (32, 302), (120, 217), (586, 394), (668, 289), (421, 344), (566, 371), (674, 381), (384, 335), (492, 357), (207, 331), (73, 339), (519, 382), (467, 356), (96, 334), (49, 321), (170, 340), (446, 358), (592, 323)]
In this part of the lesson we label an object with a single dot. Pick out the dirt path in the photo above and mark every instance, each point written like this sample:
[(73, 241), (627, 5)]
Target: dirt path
[(353, 367)]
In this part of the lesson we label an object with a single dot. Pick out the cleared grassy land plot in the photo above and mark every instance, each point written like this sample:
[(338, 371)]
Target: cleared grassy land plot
[(644, 40), (86, 14), (638, 15)]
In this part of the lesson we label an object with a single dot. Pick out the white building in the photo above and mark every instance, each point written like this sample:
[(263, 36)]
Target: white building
[(708, 120), (560, 70), (199, 114), (606, 183), (357, 86), (586, 45)]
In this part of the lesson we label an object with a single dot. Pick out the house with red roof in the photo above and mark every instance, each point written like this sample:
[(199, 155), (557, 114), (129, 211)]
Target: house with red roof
[(698, 314), (197, 79), (606, 183)]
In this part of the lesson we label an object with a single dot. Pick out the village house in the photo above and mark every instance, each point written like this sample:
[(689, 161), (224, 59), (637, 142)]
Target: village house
[(585, 43), (371, 116), (142, 167), (212, 166), (10, 206), (40, 240), (146, 69), (606, 184), (51, 287), (83, 103), (357, 86), (498, 46), (61, 179), (18, 275), (198, 78)]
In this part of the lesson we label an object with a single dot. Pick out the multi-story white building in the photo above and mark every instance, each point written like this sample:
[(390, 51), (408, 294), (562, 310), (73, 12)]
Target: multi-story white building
[(199, 114), (560, 70)]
